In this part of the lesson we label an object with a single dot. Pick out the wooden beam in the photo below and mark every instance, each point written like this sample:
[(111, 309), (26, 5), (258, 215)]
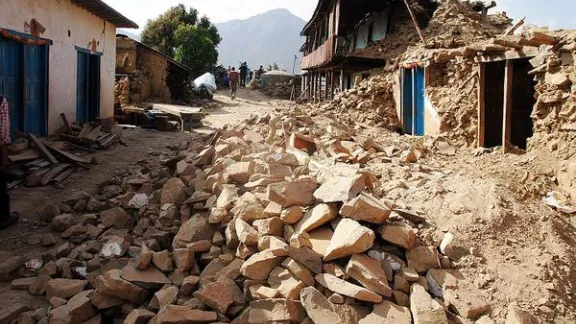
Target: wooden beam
[(507, 124), (481, 105), (415, 22), (516, 26), (43, 149)]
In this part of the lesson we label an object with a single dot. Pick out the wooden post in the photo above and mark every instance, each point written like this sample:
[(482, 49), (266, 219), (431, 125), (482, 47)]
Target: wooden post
[(342, 79), (507, 125), (481, 105), (325, 85), (319, 86), (415, 22)]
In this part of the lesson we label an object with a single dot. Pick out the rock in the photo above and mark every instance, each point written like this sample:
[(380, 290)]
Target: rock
[(227, 197), (80, 307), (366, 208), (38, 287), (110, 283), (173, 192), (516, 315), (398, 235), (425, 310), (56, 302), (423, 258), (240, 172), (64, 288), (318, 307), (249, 208), (149, 278), (246, 233), (273, 209), (388, 313), (277, 246), (232, 270), (184, 259), (275, 310), (62, 222), (300, 271), (144, 257), (50, 211), (320, 239), (163, 260), (401, 284), (466, 299), (174, 314), (368, 272), (22, 283), (337, 298), (316, 217), (277, 169), (164, 297), (195, 229), (205, 156), (559, 79), (259, 265), (401, 298), (102, 301), (11, 312), (74, 230), (349, 238), (263, 292), (117, 218), (48, 240), (221, 294), (291, 215), (307, 257), (347, 289), (340, 189), (269, 226), (298, 192), (139, 316), (287, 285)]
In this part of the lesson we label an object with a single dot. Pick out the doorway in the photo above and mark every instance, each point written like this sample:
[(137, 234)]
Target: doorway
[(413, 86), (87, 86), (493, 103), (523, 102)]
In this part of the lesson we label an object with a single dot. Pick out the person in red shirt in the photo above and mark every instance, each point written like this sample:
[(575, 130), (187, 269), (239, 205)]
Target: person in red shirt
[(234, 78)]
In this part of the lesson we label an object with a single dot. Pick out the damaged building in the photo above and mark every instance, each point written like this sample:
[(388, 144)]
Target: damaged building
[(58, 58), (454, 70), (144, 74)]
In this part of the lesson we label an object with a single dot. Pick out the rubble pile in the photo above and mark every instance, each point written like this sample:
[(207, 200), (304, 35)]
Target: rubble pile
[(280, 220), (371, 102), (122, 92)]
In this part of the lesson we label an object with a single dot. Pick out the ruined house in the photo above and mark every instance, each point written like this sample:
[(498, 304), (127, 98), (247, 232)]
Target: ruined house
[(58, 58), (147, 75)]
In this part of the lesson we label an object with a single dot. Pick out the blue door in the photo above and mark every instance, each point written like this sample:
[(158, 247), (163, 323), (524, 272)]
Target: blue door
[(82, 88), (11, 81), (36, 89), (413, 101)]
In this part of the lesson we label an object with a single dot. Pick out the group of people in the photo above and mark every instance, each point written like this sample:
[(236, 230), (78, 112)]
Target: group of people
[(241, 77)]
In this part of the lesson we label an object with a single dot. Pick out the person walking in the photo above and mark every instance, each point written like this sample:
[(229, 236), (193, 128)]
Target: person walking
[(243, 74), (6, 216), (234, 78)]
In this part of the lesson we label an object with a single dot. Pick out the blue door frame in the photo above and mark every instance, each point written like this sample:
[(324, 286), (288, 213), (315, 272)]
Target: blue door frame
[(413, 86), (87, 86)]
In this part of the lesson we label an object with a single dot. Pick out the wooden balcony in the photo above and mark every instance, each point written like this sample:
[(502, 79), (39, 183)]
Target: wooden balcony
[(320, 56)]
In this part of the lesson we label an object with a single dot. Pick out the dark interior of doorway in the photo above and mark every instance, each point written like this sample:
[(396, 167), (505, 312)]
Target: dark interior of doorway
[(494, 103), (523, 101), (93, 87)]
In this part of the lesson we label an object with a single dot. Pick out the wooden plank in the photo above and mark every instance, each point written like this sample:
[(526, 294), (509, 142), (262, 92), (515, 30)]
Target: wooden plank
[(53, 173), (415, 22), (85, 129), (24, 156), (42, 148), (481, 105), (35, 179), (62, 176), (515, 27), (506, 43), (68, 156), (507, 124), (92, 134), (66, 127)]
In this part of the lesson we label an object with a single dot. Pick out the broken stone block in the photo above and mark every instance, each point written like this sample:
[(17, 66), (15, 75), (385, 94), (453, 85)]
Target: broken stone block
[(340, 189), (38, 287), (218, 239), (248, 208), (274, 244), (56, 302), (240, 172), (263, 292), (335, 270), (345, 288), (244, 252), (62, 222), (307, 257), (349, 238), (388, 313), (300, 271), (277, 169), (259, 265), (102, 301), (288, 285), (298, 192), (221, 294), (285, 158), (139, 316), (246, 233), (149, 278), (516, 315), (205, 156), (316, 217), (299, 240), (173, 192), (195, 229), (174, 314), (291, 215), (232, 270), (336, 298), (189, 285), (80, 307), (227, 197), (366, 208), (64, 288), (320, 239), (144, 258), (50, 211), (425, 310), (110, 283), (184, 259), (164, 297), (163, 261), (423, 258), (318, 307), (401, 284), (199, 246), (269, 226), (11, 312), (118, 218), (273, 209), (275, 310), (48, 240), (368, 272), (22, 283), (398, 235), (559, 79)]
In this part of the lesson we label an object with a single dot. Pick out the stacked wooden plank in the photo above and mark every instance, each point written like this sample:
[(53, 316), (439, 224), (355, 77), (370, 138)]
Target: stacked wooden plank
[(90, 137)]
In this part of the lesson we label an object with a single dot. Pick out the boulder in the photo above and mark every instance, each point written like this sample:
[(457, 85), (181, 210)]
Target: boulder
[(110, 283), (423, 258), (80, 307), (517, 315), (275, 310), (388, 313), (269, 226), (163, 261), (246, 233), (149, 278), (292, 215), (349, 238), (64, 288), (227, 197), (368, 272), (139, 316), (173, 192), (345, 288), (240, 172), (117, 218), (316, 217), (62, 222), (340, 189), (425, 310), (173, 314), (307, 257), (259, 265), (287, 285), (300, 271), (320, 239), (298, 192), (399, 235), (164, 297), (318, 307), (195, 229), (366, 208), (221, 294)]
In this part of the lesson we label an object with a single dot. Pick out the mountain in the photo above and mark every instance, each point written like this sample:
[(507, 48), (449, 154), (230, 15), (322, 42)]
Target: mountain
[(271, 37)]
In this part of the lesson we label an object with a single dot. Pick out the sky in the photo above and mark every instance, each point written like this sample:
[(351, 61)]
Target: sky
[(553, 13)]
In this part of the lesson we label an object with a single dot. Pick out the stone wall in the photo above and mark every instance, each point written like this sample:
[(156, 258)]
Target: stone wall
[(125, 55), (155, 70)]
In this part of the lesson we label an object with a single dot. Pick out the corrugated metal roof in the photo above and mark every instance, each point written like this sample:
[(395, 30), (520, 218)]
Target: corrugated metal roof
[(104, 11)]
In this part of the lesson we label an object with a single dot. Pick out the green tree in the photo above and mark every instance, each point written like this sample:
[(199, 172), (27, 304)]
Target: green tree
[(171, 32)]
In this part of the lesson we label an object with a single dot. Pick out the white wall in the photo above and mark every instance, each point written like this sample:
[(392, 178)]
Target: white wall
[(59, 17)]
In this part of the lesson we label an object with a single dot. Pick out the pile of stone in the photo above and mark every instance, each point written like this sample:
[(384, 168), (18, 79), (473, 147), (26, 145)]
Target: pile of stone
[(371, 102), (281, 223), (122, 92)]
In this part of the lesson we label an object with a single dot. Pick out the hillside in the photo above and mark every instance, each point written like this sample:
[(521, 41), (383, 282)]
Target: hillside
[(270, 37)]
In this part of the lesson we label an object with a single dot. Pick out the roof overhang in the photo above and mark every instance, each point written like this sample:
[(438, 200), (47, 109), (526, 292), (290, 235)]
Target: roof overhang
[(104, 11)]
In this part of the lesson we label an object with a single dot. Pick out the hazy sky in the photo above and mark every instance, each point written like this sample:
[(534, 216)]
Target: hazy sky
[(553, 13)]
